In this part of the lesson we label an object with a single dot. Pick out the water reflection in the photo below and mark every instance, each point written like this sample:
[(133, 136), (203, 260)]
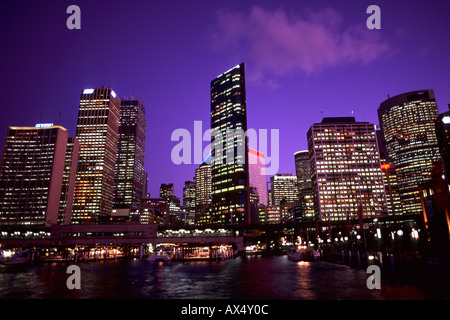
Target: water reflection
[(252, 277)]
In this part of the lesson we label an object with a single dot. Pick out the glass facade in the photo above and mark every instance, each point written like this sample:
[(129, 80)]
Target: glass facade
[(408, 125), (229, 171)]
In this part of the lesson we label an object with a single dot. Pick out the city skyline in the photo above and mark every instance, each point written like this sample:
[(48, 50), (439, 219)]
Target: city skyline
[(276, 98), (125, 174)]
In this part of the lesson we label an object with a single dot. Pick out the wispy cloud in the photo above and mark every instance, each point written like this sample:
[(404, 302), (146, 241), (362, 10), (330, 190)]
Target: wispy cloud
[(279, 43)]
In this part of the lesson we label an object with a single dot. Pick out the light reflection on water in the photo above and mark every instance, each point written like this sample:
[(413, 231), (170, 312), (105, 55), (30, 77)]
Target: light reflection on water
[(251, 277)]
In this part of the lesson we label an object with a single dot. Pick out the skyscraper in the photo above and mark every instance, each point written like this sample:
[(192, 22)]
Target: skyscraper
[(68, 183), (230, 182), (37, 173), (203, 193), (130, 178), (257, 174), (166, 190), (346, 172), (303, 169), (167, 193), (97, 131), (394, 203), (305, 191), (408, 125), (284, 188), (189, 196), (273, 214)]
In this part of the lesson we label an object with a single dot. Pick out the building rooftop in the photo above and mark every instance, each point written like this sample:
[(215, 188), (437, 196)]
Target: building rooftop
[(338, 120)]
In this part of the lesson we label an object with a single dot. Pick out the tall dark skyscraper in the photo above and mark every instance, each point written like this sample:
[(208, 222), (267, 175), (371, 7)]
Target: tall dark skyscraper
[(37, 176), (230, 180), (305, 191), (130, 178), (346, 175), (408, 125), (189, 198), (97, 131)]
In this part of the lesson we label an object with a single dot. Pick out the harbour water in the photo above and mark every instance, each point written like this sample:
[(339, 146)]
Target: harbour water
[(245, 277)]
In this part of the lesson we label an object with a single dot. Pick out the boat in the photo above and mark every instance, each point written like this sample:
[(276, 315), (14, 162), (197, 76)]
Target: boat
[(302, 253), (159, 257), (19, 257)]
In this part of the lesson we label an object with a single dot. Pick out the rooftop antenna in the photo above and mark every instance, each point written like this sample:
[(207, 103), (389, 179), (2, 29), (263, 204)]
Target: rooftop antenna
[(59, 119), (321, 112), (351, 111)]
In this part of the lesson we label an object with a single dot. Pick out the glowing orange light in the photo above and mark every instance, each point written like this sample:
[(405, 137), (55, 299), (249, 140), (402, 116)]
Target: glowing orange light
[(385, 166)]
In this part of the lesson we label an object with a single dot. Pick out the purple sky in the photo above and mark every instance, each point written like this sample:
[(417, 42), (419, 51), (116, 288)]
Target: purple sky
[(301, 57)]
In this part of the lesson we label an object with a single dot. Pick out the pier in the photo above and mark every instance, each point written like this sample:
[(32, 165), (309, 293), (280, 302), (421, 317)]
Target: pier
[(94, 242)]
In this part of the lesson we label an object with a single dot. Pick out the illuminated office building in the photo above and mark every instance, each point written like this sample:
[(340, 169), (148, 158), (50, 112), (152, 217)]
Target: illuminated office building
[(408, 125), (257, 174), (203, 193), (346, 172), (167, 193), (307, 203), (37, 176), (97, 131), (68, 183), (303, 169), (393, 198), (158, 205), (166, 190), (394, 203), (305, 192), (230, 182), (189, 196), (284, 189), (130, 177), (262, 216), (273, 214), (187, 214)]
